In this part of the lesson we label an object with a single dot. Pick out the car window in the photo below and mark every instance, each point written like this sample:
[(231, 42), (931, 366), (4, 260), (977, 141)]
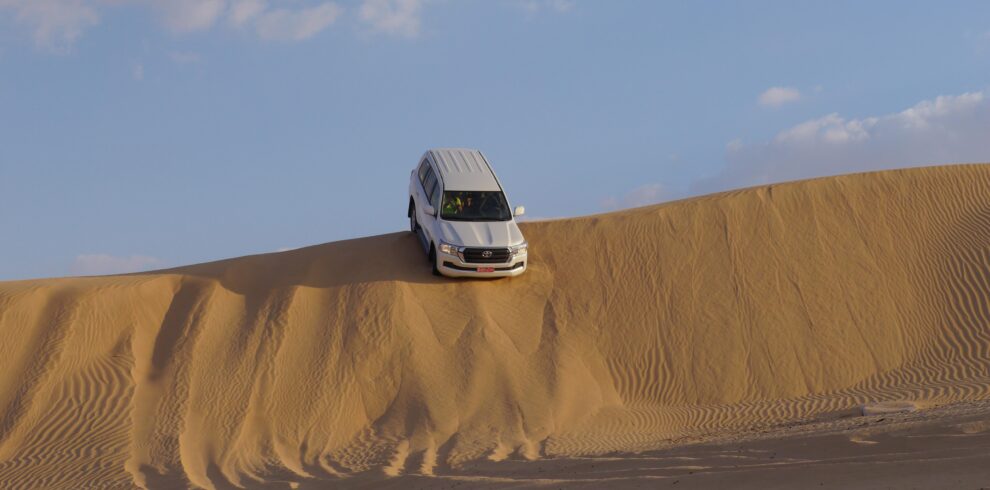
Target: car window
[(429, 181), (434, 194), (475, 206), (423, 168)]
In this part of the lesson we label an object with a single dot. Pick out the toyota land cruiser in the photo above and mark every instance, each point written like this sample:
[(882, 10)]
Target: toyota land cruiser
[(460, 213)]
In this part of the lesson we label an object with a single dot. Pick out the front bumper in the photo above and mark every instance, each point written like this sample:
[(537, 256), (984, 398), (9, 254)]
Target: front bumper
[(454, 266)]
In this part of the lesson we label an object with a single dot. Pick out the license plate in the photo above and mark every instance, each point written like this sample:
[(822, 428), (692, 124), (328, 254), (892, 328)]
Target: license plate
[(486, 269)]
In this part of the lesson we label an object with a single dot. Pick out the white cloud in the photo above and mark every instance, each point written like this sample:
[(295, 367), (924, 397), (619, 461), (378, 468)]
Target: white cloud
[(137, 72), (190, 15), (947, 129), (778, 96), (643, 195), (296, 25), (55, 24), (831, 128), (397, 17), (242, 11), (99, 264), (281, 24), (58, 24)]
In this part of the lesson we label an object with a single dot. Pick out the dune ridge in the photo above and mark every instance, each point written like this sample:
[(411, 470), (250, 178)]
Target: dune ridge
[(631, 329)]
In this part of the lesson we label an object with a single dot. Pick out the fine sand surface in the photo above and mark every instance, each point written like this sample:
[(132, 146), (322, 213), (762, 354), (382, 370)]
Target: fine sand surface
[(840, 323), (946, 447)]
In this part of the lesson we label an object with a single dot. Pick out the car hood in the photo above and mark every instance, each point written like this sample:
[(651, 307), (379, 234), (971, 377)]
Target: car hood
[(481, 233)]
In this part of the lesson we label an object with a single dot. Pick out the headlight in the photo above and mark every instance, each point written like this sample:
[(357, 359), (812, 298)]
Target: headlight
[(448, 248), (520, 249)]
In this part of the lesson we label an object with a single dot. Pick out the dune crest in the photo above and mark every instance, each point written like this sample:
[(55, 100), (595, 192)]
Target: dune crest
[(718, 313)]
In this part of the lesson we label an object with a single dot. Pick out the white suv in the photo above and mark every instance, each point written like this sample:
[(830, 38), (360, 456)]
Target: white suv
[(462, 218)]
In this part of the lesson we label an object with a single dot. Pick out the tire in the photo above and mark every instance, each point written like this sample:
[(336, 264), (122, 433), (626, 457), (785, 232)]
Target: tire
[(433, 261), (413, 225)]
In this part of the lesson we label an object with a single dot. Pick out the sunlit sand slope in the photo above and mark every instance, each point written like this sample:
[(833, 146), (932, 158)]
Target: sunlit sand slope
[(630, 329)]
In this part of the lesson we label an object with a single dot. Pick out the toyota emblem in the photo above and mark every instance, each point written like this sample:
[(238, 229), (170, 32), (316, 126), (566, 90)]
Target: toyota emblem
[(487, 254)]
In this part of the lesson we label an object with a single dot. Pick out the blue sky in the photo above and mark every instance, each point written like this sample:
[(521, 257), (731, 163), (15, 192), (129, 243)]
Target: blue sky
[(139, 134)]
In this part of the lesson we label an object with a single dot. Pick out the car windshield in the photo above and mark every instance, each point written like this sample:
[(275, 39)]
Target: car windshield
[(474, 206)]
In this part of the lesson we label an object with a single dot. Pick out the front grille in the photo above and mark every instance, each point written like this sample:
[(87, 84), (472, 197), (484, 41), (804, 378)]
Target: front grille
[(477, 255)]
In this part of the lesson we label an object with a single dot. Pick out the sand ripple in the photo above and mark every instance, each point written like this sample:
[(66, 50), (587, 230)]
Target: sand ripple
[(631, 330)]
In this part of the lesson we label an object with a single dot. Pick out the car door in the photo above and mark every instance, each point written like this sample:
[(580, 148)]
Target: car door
[(418, 189), (430, 191)]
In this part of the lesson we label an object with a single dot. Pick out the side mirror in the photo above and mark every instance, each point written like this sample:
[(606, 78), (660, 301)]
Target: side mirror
[(429, 210), (520, 210)]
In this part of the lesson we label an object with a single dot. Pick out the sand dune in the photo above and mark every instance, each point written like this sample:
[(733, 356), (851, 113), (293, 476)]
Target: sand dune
[(631, 330)]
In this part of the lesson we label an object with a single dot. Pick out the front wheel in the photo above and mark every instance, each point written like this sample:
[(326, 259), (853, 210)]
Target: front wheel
[(413, 225), (433, 260)]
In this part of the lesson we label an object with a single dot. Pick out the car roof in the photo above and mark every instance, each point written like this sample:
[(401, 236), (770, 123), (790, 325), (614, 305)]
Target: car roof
[(464, 169)]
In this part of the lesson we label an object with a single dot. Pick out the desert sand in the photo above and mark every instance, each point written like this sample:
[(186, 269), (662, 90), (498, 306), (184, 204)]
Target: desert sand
[(841, 323)]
